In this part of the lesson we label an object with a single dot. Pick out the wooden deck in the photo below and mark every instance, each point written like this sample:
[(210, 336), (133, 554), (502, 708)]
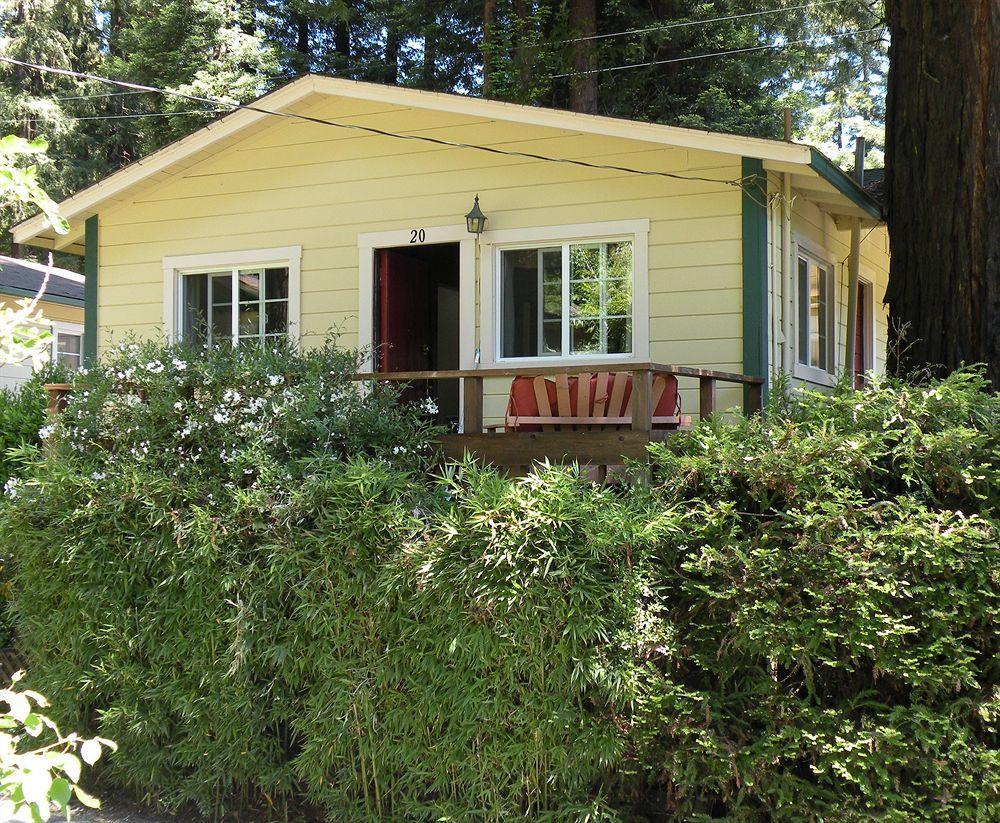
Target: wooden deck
[(592, 445)]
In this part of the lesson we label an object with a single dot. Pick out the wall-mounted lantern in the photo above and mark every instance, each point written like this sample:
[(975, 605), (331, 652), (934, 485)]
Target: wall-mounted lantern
[(475, 220)]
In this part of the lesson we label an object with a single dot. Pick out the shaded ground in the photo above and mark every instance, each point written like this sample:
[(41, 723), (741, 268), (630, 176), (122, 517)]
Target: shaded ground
[(120, 812)]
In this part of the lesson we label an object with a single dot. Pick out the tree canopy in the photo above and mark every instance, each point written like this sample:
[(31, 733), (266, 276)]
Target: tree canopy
[(643, 60)]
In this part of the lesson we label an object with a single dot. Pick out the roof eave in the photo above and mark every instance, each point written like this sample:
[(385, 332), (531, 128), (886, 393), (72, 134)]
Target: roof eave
[(845, 184)]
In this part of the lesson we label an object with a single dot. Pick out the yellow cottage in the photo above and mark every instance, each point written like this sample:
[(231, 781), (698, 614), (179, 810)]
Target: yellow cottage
[(333, 205)]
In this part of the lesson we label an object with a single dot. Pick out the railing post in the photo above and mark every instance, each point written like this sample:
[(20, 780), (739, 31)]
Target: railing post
[(755, 398), (472, 405), (642, 401), (706, 397)]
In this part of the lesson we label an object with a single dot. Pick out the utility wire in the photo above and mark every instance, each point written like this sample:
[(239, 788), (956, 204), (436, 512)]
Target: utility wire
[(130, 115), (685, 23), (762, 47), (738, 182)]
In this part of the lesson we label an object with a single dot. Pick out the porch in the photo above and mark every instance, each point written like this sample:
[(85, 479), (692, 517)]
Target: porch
[(594, 441)]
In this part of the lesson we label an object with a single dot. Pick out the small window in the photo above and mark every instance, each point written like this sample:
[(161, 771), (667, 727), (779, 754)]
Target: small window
[(815, 314), (566, 300), (68, 350), (235, 305)]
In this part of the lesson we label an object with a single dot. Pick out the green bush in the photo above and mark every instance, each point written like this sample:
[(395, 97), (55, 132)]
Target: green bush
[(833, 576), (22, 414), (273, 597)]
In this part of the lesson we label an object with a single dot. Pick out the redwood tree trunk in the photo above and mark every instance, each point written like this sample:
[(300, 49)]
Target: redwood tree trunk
[(943, 184), (489, 21), (583, 86)]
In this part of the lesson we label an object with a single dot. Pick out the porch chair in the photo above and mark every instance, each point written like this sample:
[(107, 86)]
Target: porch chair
[(584, 402)]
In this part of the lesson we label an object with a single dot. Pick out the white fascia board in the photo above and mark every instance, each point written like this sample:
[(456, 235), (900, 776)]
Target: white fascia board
[(573, 121), (85, 201)]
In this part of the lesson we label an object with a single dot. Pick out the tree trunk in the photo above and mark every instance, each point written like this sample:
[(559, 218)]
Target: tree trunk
[(943, 184), (583, 86), (522, 51), (489, 22)]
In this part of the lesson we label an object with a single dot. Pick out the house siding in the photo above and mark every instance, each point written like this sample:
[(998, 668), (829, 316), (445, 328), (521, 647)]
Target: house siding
[(296, 183)]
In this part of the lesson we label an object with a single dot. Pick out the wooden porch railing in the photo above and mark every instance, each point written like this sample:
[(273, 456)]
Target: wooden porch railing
[(594, 446)]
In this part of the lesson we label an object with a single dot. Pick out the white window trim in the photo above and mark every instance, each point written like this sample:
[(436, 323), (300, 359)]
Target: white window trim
[(811, 374), (418, 236), (175, 267), (869, 329), (493, 242)]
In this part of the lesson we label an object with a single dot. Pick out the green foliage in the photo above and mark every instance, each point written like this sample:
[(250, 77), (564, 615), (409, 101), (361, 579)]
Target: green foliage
[(796, 620), (39, 766), (22, 415), (834, 576)]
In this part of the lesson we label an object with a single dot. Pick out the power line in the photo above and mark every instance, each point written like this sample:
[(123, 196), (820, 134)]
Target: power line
[(94, 96), (784, 45), (738, 182), (131, 115), (685, 23)]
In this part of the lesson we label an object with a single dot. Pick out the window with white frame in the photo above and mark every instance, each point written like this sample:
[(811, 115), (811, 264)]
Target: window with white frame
[(816, 297), (68, 349), (236, 305), (566, 299)]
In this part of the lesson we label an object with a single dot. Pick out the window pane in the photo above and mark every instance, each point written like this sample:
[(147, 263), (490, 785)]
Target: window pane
[(619, 335), (585, 262), (195, 321), (585, 337), (276, 284), (519, 306), (222, 323), (249, 319), (620, 260), (276, 317), (803, 293), (817, 317), (619, 297), (222, 289), (552, 337), (552, 299), (68, 344), (552, 266), (249, 286), (585, 298)]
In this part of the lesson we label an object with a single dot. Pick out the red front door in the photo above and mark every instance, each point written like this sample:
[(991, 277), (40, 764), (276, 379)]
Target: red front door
[(404, 342)]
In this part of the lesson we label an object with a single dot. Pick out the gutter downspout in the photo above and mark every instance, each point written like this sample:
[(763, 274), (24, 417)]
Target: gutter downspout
[(787, 265), (854, 270)]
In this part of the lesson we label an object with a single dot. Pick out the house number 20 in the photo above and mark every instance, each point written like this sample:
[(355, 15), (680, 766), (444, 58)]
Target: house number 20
[(417, 235)]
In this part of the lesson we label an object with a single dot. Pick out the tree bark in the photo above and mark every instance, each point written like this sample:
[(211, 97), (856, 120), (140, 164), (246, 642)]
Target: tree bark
[(583, 86), (943, 184), (489, 22)]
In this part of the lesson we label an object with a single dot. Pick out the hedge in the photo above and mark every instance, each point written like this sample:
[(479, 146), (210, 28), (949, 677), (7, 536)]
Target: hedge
[(267, 590)]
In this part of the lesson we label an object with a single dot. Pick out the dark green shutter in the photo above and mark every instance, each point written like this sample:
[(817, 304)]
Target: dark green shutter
[(755, 301)]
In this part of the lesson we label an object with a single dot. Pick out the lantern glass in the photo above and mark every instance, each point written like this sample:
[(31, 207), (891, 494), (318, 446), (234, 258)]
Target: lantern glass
[(475, 220)]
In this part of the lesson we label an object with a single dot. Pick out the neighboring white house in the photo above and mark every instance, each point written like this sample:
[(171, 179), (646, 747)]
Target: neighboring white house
[(61, 305)]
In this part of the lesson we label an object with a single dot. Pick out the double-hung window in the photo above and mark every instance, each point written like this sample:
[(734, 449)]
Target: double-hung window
[(566, 299), (237, 305), (816, 298)]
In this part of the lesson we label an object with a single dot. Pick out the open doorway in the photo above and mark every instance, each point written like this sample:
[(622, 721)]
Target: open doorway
[(417, 319)]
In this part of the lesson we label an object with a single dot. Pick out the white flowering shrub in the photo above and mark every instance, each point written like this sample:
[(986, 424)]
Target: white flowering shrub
[(245, 417)]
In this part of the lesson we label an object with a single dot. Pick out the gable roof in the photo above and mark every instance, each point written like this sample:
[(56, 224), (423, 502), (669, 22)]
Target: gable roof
[(23, 278), (187, 150)]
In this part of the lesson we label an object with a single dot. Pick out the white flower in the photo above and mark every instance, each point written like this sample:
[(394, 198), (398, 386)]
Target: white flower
[(11, 487), (232, 396), (178, 405), (98, 476), (154, 366), (45, 432), (399, 449), (275, 379), (220, 417), (430, 406), (179, 364)]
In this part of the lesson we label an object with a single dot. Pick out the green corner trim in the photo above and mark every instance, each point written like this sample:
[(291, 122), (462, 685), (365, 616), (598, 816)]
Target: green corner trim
[(90, 268), (843, 183), (755, 301)]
